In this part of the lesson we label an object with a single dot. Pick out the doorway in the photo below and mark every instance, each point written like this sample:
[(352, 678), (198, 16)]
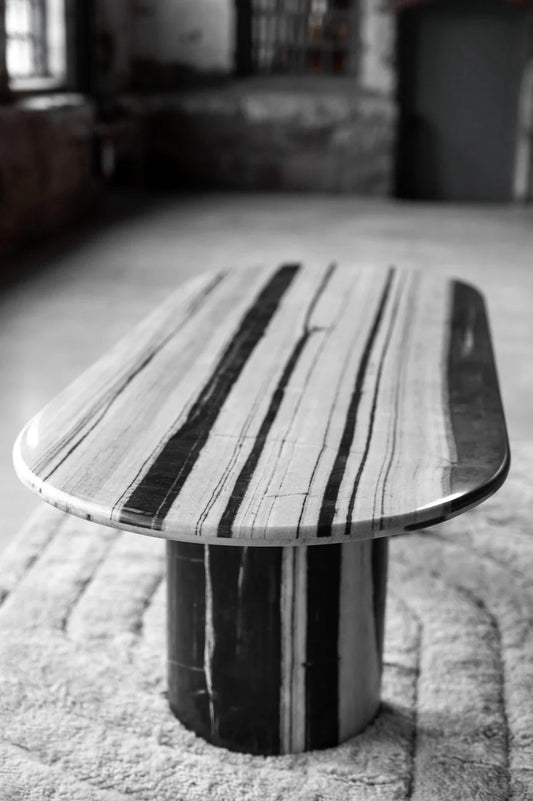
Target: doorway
[(460, 68)]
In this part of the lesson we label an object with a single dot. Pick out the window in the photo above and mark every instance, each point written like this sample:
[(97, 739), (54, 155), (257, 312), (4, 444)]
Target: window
[(35, 42), (296, 36)]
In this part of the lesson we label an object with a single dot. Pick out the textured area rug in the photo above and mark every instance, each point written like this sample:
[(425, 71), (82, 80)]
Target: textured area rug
[(83, 712)]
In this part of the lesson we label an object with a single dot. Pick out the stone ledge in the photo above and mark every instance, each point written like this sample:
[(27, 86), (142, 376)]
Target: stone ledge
[(284, 134)]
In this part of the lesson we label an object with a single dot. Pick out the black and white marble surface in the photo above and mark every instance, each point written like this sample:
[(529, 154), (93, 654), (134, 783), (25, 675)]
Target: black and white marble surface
[(302, 403), (276, 650)]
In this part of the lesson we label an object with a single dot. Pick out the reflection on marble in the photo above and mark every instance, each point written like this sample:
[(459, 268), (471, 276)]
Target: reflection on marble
[(302, 403)]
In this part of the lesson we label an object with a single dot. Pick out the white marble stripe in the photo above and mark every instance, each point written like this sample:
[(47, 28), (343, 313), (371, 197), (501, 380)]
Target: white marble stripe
[(232, 437), (391, 394), (293, 613), (372, 414), (315, 435), (209, 641), (168, 386), (296, 422), (111, 372), (413, 391), (359, 671)]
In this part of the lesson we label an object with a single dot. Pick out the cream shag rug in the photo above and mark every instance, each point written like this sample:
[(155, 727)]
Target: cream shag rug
[(83, 713)]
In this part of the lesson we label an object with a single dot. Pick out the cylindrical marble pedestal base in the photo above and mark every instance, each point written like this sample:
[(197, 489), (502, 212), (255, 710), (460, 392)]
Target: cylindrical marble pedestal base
[(273, 650)]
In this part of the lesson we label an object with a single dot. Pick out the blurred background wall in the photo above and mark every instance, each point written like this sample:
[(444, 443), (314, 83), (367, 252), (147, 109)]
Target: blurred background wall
[(429, 100)]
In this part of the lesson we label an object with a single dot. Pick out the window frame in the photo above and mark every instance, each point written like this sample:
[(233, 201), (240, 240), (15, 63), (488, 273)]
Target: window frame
[(244, 47), (20, 87)]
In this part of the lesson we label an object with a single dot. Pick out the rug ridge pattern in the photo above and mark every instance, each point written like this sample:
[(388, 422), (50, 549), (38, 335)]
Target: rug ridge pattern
[(82, 685)]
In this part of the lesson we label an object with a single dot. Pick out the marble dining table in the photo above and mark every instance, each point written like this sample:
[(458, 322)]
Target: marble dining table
[(286, 407)]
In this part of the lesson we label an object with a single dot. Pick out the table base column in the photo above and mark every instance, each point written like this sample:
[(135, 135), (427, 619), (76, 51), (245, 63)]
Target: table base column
[(275, 650)]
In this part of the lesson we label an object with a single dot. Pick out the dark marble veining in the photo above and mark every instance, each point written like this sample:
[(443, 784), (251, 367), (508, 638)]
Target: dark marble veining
[(275, 650), (296, 404), (300, 405)]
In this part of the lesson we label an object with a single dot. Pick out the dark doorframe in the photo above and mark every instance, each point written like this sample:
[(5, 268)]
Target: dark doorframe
[(460, 68)]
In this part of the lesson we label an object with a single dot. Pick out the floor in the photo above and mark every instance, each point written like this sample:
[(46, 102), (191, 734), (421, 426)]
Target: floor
[(73, 298)]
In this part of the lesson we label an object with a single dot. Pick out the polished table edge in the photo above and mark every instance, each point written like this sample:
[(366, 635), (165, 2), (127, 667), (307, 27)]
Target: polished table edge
[(477, 426), (361, 530)]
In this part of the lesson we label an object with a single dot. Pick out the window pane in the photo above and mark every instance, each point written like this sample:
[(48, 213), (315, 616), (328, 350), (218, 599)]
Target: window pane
[(302, 36), (56, 38), (35, 39)]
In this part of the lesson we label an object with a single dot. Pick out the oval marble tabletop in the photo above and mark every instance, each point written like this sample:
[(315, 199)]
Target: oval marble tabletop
[(274, 406)]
